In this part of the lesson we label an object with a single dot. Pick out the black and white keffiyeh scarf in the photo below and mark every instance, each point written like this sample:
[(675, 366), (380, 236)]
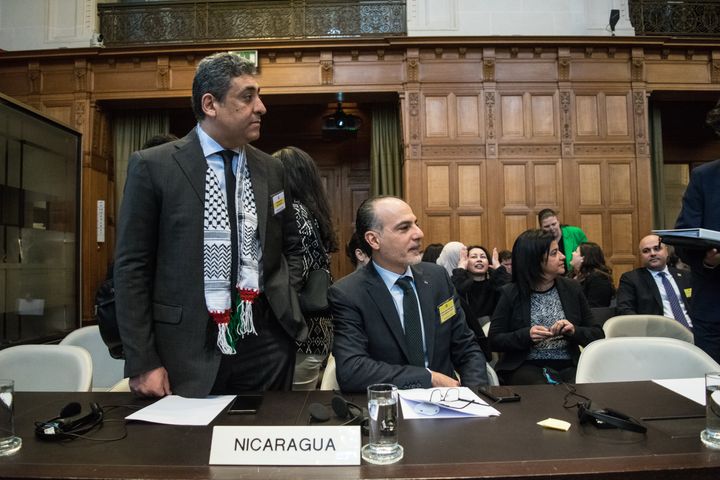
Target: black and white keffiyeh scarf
[(232, 324)]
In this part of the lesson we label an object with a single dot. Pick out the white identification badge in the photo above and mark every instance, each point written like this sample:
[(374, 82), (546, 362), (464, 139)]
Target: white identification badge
[(290, 445), (278, 201)]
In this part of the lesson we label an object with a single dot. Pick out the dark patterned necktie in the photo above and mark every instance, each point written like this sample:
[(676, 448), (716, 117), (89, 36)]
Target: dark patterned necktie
[(227, 156), (413, 331), (674, 300)]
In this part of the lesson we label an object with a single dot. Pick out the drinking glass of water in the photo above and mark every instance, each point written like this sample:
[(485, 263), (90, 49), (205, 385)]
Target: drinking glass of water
[(383, 446), (711, 435), (9, 442)]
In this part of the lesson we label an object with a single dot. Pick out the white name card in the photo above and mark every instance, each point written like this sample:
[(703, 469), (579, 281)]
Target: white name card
[(288, 445)]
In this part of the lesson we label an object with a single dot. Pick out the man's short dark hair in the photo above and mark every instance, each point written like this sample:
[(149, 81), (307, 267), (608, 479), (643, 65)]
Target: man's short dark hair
[(504, 255), (545, 213), (366, 220), (214, 74), (159, 139)]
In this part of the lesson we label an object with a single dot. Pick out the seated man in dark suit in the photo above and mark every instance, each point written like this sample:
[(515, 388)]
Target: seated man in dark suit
[(645, 289), (398, 320)]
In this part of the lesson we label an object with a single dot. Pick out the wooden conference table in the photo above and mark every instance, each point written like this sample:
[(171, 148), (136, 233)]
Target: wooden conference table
[(511, 445)]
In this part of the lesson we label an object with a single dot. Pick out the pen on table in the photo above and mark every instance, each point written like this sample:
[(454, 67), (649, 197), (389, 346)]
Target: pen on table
[(673, 417)]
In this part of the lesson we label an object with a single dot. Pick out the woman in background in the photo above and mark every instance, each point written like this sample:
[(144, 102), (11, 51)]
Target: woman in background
[(432, 252), (595, 277), (313, 217), (542, 318), (450, 256)]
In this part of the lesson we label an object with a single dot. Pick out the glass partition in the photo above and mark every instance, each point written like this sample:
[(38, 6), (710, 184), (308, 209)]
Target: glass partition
[(39, 226)]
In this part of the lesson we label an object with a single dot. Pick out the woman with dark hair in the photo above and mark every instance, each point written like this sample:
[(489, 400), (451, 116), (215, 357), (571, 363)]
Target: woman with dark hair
[(595, 277), (478, 279), (542, 317), (432, 252), (313, 217)]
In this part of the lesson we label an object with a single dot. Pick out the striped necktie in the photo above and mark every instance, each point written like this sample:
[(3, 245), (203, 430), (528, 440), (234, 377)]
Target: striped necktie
[(677, 310)]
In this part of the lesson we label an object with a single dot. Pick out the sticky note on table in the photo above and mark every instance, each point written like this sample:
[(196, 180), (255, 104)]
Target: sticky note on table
[(555, 424)]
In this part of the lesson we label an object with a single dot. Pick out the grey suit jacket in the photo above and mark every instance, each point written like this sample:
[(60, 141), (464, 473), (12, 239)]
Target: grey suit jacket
[(160, 302), (638, 293), (369, 344)]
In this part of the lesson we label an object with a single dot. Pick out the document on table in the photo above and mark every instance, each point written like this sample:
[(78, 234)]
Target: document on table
[(177, 410), (445, 402), (692, 388)]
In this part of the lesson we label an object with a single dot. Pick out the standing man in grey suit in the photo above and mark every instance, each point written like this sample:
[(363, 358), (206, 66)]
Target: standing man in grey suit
[(644, 290), (398, 320), (208, 252)]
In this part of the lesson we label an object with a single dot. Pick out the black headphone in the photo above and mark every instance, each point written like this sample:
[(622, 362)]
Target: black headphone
[(608, 418), (343, 409), (70, 422)]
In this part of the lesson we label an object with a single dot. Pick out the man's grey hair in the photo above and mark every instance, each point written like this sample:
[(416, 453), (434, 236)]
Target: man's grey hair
[(214, 74)]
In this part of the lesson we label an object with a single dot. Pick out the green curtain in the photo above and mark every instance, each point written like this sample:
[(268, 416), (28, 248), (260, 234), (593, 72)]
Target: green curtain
[(130, 131), (386, 152), (656, 167)]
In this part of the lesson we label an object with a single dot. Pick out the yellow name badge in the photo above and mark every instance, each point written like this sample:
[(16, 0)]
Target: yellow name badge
[(278, 201), (688, 293), (446, 310)]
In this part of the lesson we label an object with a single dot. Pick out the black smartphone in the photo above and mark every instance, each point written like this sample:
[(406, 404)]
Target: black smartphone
[(499, 394), (247, 403)]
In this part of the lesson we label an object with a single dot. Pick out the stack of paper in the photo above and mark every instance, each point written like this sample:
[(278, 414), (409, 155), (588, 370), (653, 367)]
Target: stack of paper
[(446, 402)]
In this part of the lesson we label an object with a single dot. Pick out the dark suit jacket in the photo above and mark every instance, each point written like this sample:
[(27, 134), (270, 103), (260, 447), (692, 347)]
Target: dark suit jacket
[(638, 292), (510, 324), (701, 209), (160, 302), (369, 344)]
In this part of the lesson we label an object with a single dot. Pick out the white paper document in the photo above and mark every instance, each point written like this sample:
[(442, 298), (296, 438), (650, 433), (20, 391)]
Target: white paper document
[(177, 410), (445, 402), (692, 388)]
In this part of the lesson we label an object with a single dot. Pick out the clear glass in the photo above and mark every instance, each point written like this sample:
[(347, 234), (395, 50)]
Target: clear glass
[(39, 251), (383, 446), (9, 442), (711, 435)]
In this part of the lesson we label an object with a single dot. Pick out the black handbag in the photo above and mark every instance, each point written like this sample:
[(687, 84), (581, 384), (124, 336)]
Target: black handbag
[(313, 296)]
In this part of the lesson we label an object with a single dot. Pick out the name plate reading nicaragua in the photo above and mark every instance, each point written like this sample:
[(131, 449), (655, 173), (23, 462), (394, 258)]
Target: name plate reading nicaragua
[(289, 445)]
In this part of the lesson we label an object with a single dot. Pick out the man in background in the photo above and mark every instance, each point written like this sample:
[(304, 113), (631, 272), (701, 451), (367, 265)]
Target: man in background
[(398, 320), (655, 288), (567, 236), (207, 247)]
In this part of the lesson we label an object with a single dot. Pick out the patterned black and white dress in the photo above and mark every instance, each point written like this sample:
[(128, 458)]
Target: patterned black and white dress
[(319, 337)]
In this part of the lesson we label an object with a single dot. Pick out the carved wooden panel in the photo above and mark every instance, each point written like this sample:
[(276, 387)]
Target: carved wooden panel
[(586, 114), (470, 184), (436, 117), (438, 186), (590, 181), (62, 113)]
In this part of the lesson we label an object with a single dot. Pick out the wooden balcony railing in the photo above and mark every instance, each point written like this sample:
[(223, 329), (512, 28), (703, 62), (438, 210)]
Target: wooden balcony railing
[(156, 23)]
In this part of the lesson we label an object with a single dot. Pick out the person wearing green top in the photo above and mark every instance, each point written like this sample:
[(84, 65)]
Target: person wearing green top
[(567, 236)]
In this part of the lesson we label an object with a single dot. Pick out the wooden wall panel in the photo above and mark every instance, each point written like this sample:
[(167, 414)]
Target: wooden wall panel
[(617, 115), (622, 231), (547, 183), (437, 229), (468, 116), (470, 229), (436, 117), (438, 186), (543, 116), (590, 184), (470, 182), (514, 226), (620, 184), (592, 225), (515, 183), (512, 115), (62, 113), (586, 111)]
